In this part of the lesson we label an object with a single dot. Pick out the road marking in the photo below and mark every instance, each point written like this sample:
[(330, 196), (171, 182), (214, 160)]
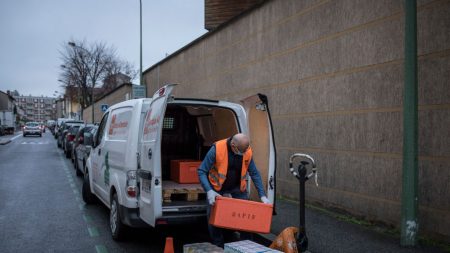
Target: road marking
[(101, 249), (81, 206), (72, 185), (87, 218), (75, 191), (37, 143), (15, 137), (93, 232)]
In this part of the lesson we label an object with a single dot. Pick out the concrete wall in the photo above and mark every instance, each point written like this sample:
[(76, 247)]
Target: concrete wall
[(117, 95), (333, 74)]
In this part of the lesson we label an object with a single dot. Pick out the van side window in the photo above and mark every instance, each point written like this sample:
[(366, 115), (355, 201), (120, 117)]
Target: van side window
[(101, 129)]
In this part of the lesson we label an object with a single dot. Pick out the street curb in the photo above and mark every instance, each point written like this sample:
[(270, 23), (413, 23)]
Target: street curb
[(5, 142)]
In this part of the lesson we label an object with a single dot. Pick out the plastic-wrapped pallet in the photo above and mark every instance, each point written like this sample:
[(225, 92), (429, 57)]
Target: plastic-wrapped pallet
[(204, 247), (247, 247)]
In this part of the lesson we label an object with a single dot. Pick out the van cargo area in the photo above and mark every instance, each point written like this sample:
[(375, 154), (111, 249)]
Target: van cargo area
[(189, 131)]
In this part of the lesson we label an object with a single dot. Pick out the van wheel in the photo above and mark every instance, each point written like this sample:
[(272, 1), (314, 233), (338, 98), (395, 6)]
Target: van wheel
[(86, 193), (115, 220)]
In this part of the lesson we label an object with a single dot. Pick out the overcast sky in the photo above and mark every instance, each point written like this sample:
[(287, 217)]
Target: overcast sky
[(32, 32)]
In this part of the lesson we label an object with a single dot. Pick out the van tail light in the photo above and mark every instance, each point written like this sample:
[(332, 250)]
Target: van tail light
[(70, 137), (132, 188)]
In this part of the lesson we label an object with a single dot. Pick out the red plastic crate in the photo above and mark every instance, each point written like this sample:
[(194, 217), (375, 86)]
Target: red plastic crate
[(244, 215), (184, 171)]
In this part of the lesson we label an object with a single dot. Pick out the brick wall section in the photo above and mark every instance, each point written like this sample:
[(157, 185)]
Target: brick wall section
[(116, 96), (333, 74)]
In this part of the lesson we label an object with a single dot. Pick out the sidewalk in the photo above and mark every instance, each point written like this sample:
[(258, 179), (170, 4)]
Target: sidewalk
[(327, 233), (5, 139)]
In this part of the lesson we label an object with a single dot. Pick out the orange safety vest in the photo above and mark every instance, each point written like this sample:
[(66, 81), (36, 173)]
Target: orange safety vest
[(218, 173)]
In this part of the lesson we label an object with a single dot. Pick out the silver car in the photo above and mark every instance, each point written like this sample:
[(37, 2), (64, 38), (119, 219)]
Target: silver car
[(32, 128)]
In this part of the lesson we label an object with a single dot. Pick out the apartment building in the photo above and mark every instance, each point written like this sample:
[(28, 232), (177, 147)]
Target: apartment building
[(36, 108)]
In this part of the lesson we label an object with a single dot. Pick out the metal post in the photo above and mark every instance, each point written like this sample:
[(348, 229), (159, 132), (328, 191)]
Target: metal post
[(141, 82), (410, 225), (92, 104)]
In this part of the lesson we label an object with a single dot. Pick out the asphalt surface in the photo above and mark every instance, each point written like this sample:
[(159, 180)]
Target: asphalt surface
[(41, 209)]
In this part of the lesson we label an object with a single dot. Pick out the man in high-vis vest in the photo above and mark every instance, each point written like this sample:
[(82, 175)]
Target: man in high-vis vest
[(224, 172)]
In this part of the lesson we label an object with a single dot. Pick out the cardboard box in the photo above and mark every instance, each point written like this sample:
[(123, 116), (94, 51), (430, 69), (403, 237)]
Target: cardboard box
[(184, 171), (243, 215), (247, 247), (203, 247)]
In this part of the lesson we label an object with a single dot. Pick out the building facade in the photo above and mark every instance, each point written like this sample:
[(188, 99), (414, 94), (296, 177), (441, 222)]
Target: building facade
[(36, 108), (8, 109), (120, 93), (333, 74)]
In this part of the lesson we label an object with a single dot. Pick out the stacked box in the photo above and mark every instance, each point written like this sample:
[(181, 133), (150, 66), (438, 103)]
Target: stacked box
[(204, 247), (184, 171), (247, 247)]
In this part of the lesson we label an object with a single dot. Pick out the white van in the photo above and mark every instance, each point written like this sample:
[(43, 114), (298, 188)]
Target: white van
[(129, 165)]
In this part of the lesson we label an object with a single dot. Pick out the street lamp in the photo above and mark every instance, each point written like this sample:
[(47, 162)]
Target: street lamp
[(140, 38), (72, 44)]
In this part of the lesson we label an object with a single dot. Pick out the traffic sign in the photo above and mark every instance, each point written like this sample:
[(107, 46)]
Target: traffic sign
[(104, 107), (139, 91)]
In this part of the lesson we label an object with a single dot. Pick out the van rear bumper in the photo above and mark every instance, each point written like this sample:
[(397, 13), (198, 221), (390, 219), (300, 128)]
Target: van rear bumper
[(130, 217), (182, 219)]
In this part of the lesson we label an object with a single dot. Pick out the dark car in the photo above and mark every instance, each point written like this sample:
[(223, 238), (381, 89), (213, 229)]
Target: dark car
[(62, 131), (82, 148), (69, 138)]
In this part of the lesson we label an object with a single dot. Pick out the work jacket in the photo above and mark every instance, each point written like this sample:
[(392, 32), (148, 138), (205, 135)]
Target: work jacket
[(218, 173)]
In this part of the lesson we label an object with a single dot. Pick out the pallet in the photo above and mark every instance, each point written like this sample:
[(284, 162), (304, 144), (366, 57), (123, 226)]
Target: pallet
[(185, 192)]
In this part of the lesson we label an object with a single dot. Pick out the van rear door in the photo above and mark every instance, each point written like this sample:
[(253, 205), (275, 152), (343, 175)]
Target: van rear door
[(150, 202), (262, 143)]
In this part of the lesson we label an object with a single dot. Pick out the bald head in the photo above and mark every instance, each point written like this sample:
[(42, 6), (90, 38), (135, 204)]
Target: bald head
[(241, 141)]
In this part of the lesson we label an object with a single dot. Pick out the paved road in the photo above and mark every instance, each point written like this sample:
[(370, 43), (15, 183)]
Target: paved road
[(41, 209)]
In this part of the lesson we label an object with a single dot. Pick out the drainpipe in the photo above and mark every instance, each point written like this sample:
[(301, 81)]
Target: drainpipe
[(410, 225)]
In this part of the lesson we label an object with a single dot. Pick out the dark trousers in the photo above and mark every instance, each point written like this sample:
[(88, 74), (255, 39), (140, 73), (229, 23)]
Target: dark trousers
[(218, 235)]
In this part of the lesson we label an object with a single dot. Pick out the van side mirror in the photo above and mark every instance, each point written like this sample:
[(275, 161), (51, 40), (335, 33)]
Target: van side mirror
[(88, 139)]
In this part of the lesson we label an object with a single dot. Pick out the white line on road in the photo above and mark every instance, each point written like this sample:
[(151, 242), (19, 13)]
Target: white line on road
[(15, 137)]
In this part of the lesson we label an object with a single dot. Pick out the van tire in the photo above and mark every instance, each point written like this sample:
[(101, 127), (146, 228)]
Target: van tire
[(115, 220), (86, 193)]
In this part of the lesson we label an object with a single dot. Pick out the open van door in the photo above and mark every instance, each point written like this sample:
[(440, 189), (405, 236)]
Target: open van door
[(150, 202), (262, 143)]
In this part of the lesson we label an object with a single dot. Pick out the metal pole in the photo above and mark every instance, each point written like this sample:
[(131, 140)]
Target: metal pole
[(410, 225), (141, 81), (92, 103)]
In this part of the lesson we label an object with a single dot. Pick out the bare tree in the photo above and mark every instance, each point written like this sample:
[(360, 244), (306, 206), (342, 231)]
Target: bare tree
[(84, 66)]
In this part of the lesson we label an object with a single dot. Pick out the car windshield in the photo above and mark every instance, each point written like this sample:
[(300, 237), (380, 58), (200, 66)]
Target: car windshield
[(74, 129), (32, 124)]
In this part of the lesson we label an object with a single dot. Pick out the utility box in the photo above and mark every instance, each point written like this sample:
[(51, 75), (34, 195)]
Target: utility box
[(184, 171), (243, 215)]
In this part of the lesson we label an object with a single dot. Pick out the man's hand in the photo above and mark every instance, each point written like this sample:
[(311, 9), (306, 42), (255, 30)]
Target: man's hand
[(212, 196), (265, 200)]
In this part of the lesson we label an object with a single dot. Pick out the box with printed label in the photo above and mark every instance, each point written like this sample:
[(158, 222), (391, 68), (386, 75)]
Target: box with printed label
[(203, 247), (244, 215), (184, 171), (247, 247)]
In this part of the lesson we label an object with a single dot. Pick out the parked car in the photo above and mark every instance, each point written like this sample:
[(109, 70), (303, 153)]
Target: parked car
[(32, 128), (69, 138), (129, 169), (62, 131), (82, 147)]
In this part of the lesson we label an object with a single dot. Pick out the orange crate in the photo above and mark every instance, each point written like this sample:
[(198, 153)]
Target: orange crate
[(244, 215), (184, 171)]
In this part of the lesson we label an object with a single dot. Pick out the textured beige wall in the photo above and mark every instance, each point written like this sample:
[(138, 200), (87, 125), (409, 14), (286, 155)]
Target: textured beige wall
[(333, 74), (115, 97)]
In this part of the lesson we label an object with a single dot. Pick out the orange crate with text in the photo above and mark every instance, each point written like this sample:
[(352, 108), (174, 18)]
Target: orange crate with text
[(244, 215)]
